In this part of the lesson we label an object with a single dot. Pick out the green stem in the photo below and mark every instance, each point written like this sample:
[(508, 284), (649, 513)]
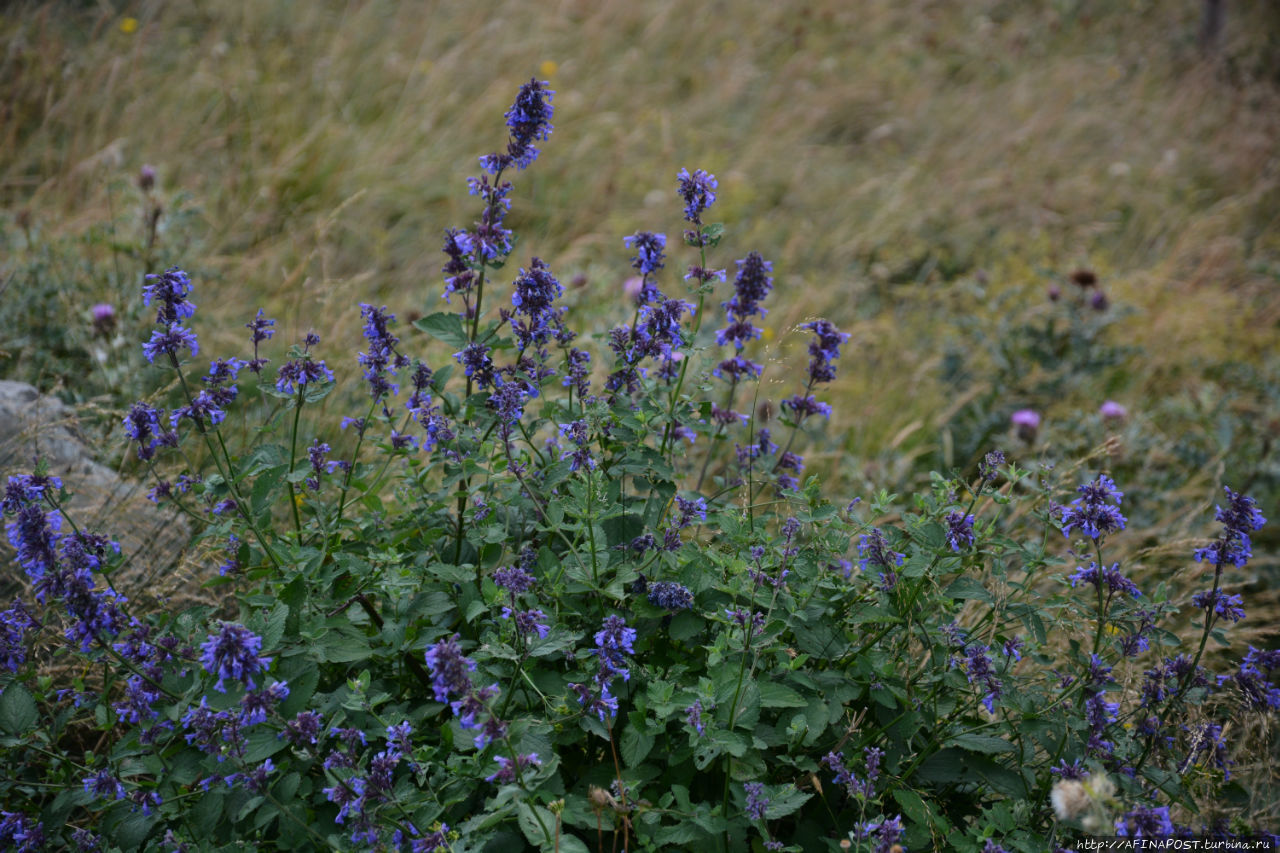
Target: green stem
[(293, 461)]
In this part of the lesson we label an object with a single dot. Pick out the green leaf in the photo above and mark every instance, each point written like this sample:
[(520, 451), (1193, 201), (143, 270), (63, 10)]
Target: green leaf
[(970, 588), (206, 813), (528, 816), (681, 834), (262, 744), (776, 695), (301, 686), (474, 609), (785, 801), (343, 647), (131, 832), (274, 629), (912, 806), (636, 746), (987, 744), (17, 709), (446, 328), (685, 625)]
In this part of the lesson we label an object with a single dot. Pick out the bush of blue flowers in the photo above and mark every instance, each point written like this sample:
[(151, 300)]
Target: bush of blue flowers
[(551, 594)]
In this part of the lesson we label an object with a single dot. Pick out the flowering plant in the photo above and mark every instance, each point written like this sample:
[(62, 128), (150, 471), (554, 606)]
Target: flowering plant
[(547, 594)]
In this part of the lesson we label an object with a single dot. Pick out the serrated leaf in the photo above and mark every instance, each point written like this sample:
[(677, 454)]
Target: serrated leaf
[(18, 712), (131, 831), (528, 817), (969, 588), (206, 813), (776, 695), (274, 629), (912, 806), (987, 744), (474, 609), (444, 327), (786, 801), (635, 746)]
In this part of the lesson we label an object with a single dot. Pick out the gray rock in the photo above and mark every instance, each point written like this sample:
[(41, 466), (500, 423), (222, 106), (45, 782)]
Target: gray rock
[(151, 538)]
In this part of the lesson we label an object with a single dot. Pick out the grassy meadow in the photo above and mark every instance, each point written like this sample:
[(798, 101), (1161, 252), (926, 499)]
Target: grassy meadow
[(922, 174), (903, 164), (944, 181)]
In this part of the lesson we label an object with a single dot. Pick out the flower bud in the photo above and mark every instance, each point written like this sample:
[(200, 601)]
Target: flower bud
[(1027, 424)]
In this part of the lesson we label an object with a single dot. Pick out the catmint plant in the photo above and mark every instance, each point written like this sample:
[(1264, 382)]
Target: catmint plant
[(545, 589)]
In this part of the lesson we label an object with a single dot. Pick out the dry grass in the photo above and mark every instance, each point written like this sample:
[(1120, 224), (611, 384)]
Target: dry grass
[(887, 156)]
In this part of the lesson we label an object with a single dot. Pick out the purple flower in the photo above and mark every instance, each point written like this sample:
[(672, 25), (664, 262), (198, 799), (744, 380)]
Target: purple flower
[(256, 704), (690, 509), (959, 531), (693, 716), (535, 292), (304, 729), (316, 454), (1256, 679), (578, 372), (805, 405), (579, 456), (650, 255), (477, 363), (459, 277), (1111, 577), (529, 120), (874, 550), (1233, 546), (233, 653), (614, 640), (142, 425), (437, 840), (1229, 607), (528, 621), (823, 350), (508, 402), (14, 625), (742, 618), (751, 286), (492, 237), (1027, 424), (1113, 411), (980, 668), (449, 669), (215, 733), (255, 781), (169, 341), (104, 786), (514, 579), (698, 191), (204, 410), (302, 372), (1095, 513), (138, 699), (989, 467), (508, 769), (20, 833), (670, 596), (382, 359), (887, 832), (1145, 822), (104, 318), (757, 801), (169, 290)]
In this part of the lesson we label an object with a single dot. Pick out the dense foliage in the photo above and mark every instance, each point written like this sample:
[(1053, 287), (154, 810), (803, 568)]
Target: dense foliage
[(578, 596)]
